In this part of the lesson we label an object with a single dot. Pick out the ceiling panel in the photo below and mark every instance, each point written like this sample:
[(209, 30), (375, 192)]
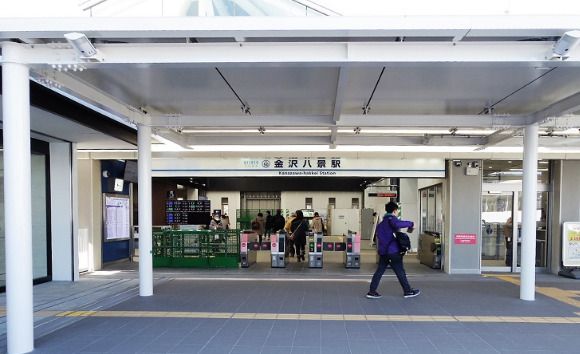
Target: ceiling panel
[(201, 91), (439, 89)]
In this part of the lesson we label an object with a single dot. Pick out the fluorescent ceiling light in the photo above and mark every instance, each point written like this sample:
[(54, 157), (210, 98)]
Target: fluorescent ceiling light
[(106, 150), (418, 131), (254, 131)]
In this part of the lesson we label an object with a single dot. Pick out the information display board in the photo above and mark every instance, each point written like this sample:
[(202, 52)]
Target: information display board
[(116, 217), (571, 244), (187, 212)]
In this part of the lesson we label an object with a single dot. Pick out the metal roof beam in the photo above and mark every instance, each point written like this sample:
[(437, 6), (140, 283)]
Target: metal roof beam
[(275, 27), (569, 104), (311, 54)]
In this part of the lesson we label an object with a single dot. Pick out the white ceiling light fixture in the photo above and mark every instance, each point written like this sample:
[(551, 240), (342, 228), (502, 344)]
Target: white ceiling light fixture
[(83, 46)]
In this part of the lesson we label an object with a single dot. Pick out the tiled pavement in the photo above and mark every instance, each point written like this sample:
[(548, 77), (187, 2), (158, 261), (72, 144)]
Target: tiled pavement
[(326, 313)]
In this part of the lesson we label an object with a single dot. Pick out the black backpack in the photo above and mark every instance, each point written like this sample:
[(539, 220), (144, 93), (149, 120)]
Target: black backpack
[(402, 239)]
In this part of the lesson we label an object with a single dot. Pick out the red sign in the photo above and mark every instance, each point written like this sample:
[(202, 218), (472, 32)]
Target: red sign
[(465, 239), (384, 194)]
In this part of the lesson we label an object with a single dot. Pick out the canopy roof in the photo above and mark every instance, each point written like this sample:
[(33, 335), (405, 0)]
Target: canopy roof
[(319, 82)]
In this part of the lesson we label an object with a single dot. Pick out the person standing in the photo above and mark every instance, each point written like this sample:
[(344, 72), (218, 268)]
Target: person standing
[(269, 223), (317, 225), (259, 226), (289, 242), (279, 221), (390, 253), (299, 228)]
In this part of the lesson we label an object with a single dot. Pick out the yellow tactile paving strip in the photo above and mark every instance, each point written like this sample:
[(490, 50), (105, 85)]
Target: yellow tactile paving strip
[(307, 316), (565, 296)]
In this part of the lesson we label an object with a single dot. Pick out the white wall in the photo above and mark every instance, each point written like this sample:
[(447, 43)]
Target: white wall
[(215, 198), (297, 200), (409, 202), (64, 246), (90, 208)]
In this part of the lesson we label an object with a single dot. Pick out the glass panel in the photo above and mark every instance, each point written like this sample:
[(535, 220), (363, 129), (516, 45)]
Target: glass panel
[(541, 227), (424, 210), (431, 209), (510, 171), (439, 209), (39, 222), (39, 239), (496, 229)]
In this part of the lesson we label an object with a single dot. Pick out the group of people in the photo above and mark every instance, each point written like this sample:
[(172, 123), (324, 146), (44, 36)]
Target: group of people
[(296, 227), (390, 253)]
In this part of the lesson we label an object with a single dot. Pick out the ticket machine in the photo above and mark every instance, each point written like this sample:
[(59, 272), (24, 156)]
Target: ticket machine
[(277, 248), (248, 254), (315, 250), (352, 250)]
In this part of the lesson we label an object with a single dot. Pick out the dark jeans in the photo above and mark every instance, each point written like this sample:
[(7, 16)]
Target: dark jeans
[(396, 261), (300, 248), (289, 248)]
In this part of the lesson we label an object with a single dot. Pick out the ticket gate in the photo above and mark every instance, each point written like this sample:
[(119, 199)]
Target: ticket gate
[(315, 250), (277, 249), (248, 254), (352, 251)]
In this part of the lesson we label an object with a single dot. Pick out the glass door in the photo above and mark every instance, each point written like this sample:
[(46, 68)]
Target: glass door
[(499, 214)]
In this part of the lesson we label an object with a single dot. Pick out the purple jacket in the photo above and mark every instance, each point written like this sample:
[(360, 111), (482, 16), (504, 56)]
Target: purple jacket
[(385, 231)]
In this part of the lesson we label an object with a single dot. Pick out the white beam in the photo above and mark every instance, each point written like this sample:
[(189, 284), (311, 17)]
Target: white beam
[(18, 202), (312, 54), (346, 120), (498, 137), (240, 121), (433, 140), (431, 120), (173, 136), (340, 93), (92, 95), (275, 27), (569, 104)]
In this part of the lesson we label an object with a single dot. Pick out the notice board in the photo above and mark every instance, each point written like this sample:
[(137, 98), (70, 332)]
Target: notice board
[(571, 244), (116, 217)]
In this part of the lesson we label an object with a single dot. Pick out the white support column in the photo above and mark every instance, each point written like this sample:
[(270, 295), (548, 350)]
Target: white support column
[(529, 191), (145, 211), (17, 201)]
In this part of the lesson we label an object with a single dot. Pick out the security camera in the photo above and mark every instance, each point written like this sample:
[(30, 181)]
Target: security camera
[(457, 163), (81, 44), (566, 43), (475, 164)]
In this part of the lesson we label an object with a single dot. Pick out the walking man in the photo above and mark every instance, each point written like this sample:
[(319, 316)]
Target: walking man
[(390, 253)]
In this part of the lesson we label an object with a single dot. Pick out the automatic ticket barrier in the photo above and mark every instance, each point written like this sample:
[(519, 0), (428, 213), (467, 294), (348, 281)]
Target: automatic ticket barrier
[(277, 249), (248, 254), (315, 250), (352, 251)]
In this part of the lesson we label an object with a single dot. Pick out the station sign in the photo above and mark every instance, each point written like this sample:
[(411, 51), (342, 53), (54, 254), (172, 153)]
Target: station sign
[(308, 166)]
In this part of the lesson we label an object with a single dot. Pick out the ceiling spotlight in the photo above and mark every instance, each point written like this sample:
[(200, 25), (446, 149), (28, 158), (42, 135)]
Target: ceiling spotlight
[(262, 130), (453, 131), (81, 44), (565, 44), (357, 131)]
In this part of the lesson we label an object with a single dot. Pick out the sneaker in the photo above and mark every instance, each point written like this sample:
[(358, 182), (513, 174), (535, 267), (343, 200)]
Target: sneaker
[(412, 293), (373, 295)]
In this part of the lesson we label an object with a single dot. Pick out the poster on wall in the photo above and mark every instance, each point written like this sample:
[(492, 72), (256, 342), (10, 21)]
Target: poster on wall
[(116, 217), (571, 244)]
